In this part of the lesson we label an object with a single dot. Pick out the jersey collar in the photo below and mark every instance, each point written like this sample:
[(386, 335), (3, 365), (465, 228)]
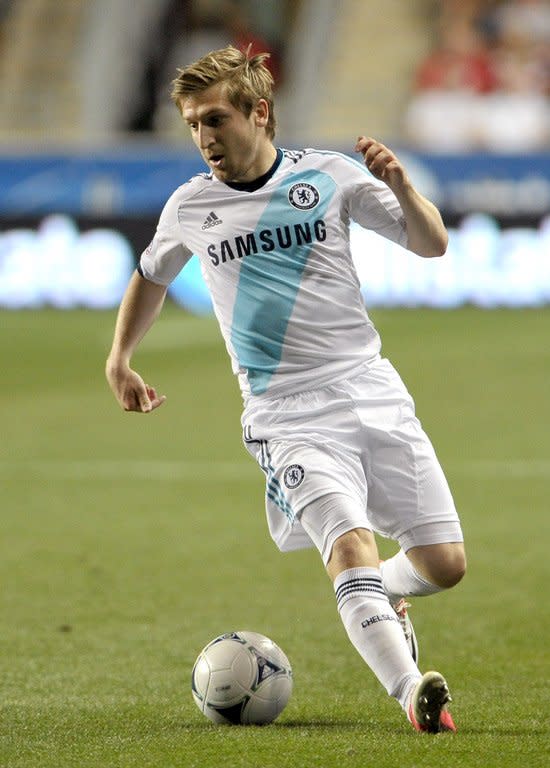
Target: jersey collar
[(252, 186)]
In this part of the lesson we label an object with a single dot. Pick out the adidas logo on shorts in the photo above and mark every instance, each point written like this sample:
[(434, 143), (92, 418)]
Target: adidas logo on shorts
[(211, 221)]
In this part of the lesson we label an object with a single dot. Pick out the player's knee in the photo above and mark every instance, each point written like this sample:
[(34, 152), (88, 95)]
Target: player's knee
[(459, 567), (450, 570), (353, 549), (442, 564), (352, 545)]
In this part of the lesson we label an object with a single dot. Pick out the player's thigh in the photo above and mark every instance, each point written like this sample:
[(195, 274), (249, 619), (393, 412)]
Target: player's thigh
[(338, 526), (320, 488), (409, 496)]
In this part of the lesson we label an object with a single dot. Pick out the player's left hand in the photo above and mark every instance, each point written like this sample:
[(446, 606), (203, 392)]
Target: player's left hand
[(382, 163)]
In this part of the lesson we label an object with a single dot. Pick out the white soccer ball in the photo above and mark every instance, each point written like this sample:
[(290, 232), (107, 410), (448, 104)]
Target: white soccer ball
[(241, 678)]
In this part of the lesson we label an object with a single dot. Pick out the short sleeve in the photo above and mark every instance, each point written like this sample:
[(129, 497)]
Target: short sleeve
[(373, 205), (166, 254)]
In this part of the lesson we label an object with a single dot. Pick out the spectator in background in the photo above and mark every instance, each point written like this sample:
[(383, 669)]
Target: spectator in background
[(241, 34), (447, 88), (518, 107), (486, 85), (187, 30), (173, 17), (460, 62), (5, 8)]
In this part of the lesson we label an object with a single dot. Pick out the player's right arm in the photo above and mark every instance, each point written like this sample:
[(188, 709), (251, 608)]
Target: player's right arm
[(140, 306)]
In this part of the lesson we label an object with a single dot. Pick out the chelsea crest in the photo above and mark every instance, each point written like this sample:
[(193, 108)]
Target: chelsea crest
[(293, 476), (303, 196)]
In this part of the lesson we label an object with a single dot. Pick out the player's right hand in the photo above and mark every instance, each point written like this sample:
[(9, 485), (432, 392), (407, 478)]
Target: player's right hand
[(131, 392)]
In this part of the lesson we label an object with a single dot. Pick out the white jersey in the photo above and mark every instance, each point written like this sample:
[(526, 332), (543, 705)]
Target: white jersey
[(275, 255)]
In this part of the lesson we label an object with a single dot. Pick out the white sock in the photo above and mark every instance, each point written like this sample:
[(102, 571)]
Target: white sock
[(374, 630), (401, 579)]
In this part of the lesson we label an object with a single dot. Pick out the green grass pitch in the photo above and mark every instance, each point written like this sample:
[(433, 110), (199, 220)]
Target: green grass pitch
[(129, 541)]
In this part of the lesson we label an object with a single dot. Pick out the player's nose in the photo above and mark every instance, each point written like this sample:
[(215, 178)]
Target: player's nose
[(206, 136)]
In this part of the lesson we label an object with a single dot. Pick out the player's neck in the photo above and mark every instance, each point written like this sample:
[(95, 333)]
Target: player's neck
[(263, 163)]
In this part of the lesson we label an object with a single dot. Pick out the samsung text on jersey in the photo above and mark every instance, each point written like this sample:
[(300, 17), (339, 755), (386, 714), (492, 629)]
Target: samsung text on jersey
[(267, 240)]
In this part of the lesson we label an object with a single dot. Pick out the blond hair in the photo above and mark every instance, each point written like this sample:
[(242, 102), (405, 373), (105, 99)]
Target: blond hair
[(247, 77)]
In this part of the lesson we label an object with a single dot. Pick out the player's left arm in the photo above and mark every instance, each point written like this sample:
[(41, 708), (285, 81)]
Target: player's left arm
[(427, 235)]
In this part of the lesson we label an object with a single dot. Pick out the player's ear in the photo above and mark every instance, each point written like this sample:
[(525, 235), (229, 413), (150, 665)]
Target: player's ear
[(261, 113)]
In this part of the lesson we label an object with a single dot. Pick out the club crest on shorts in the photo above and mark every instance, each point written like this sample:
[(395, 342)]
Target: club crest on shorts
[(293, 476), (303, 196)]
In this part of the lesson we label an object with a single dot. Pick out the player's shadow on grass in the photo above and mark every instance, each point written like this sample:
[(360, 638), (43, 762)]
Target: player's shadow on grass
[(321, 724), (313, 724)]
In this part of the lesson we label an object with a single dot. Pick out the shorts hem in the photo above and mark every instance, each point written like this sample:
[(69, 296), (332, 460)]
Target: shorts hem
[(443, 532)]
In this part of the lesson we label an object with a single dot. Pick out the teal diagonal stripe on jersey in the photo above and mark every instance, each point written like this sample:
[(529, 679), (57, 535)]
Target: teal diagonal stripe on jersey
[(270, 278)]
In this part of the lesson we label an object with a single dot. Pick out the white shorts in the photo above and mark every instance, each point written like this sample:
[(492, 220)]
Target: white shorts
[(358, 439)]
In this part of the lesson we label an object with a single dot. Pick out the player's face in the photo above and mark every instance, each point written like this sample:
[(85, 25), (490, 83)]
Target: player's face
[(235, 147)]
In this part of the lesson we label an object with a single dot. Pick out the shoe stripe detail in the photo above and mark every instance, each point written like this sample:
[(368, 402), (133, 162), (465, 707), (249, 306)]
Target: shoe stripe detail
[(359, 587)]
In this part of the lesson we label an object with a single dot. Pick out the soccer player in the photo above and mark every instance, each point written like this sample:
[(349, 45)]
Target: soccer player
[(327, 418)]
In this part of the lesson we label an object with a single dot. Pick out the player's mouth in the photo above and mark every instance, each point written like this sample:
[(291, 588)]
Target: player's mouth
[(216, 161)]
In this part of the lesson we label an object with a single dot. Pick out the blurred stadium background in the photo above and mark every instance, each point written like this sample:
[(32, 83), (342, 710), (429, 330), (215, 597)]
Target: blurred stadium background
[(91, 147)]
